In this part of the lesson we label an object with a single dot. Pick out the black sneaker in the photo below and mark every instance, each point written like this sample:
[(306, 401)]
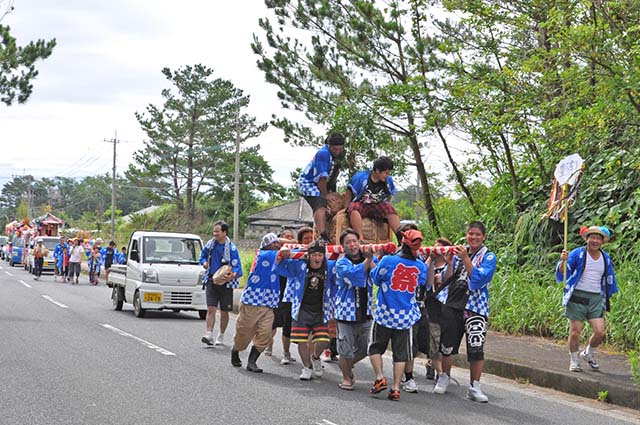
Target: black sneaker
[(431, 373)]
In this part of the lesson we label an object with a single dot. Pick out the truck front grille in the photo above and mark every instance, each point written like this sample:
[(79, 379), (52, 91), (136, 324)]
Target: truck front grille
[(178, 297)]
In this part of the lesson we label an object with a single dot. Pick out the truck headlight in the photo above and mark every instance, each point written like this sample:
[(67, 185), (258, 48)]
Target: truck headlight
[(149, 276)]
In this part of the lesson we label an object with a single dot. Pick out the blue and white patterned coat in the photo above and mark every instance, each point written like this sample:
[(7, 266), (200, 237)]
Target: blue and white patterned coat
[(483, 269), (57, 250), (217, 252), (398, 278), (263, 284), (318, 168), (360, 181), (296, 272), (575, 267), (350, 276)]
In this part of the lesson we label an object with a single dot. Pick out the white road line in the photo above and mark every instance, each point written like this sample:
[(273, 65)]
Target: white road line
[(140, 340), (326, 422), (25, 283), (10, 274), (59, 304)]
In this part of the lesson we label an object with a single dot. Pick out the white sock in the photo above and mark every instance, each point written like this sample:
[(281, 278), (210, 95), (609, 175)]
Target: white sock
[(209, 334), (574, 357), (220, 335), (589, 351)]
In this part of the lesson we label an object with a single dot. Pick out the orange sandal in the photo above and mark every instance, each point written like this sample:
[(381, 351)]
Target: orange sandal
[(379, 385), (394, 395)]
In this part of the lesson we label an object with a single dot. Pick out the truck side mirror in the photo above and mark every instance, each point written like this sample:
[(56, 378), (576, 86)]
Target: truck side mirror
[(134, 256)]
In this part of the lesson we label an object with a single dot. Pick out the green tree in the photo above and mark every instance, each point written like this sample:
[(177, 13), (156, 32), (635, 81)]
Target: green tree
[(17, 64), (191, 136)]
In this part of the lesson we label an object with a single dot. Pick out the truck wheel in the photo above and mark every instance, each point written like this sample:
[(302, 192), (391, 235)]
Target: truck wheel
[(137, 306), (11, 263), (202, 314), (117, 299)]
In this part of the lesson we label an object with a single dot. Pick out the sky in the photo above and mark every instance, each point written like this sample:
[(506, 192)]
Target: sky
[(107, 66)]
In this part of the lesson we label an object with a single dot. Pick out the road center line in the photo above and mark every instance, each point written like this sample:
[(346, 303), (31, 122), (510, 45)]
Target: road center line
[(326, 422), (10, 274), (25, 283), (59, 304), (140, 340)]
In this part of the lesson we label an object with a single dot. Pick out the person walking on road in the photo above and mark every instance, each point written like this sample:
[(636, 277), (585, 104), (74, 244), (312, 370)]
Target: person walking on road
[(313, 288), (259, 298), (57, 255), (353, 304), (219, 252), (39, 252), (75, 258), (590, 284), (109, 256), (465, 309)]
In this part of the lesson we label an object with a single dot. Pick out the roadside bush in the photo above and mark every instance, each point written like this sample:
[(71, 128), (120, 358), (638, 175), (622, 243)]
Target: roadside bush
[(528, 301)]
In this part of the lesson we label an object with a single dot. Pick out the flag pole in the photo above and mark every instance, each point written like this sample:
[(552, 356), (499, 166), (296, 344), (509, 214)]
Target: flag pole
[(566, 229)]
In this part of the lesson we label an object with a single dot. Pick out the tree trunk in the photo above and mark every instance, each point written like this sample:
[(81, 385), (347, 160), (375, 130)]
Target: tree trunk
[(512, 169)]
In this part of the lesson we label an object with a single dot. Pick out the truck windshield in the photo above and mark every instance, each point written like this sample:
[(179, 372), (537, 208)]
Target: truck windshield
[(159, 249)]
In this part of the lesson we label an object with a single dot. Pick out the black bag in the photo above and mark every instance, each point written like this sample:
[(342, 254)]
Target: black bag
[(458, 294)]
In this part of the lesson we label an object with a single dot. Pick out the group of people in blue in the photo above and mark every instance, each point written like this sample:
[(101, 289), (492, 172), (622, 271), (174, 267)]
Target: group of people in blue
[(68, 257)]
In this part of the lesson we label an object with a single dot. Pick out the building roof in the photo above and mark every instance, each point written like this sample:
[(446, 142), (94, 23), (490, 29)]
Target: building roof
[(294, 211)]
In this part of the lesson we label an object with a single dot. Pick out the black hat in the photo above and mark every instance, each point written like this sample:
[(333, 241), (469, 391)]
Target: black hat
[(317, 246)]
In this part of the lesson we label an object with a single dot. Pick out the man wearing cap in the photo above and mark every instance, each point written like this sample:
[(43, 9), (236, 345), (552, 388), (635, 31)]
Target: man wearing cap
[(398, 277), (259, 298), (591, 282), (318, 179), (312, 290)]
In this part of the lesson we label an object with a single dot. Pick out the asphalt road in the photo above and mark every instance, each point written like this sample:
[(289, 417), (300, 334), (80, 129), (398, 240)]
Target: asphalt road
[(67, 358)]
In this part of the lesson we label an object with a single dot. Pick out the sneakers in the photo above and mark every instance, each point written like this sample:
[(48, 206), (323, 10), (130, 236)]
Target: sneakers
[(379, 385), (307, 374), (589, 358), (442, 384), (574, 366), (267, 352), (286, 359), (410, 386), (219, 340), (316, 364), (474, 393), (207, 339), (327, 356)]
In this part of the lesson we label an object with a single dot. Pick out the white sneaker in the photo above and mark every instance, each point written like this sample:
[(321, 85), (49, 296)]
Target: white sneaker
[(219, 340), (316, 364), (442, 384), (589, 358), (286, 359), (207, 339), (410, 386), (574, 366), (307, 374), (474, 393)]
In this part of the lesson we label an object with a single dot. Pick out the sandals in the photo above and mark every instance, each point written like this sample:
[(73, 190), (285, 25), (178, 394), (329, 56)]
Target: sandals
[(379, 385), (394, 395), (345, 387)]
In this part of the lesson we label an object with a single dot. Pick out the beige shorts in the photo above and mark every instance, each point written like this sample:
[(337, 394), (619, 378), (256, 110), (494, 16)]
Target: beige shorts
[(253, 323)]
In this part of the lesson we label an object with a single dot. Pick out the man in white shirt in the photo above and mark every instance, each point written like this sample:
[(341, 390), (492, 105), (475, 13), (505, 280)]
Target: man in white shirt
[(590, 284)]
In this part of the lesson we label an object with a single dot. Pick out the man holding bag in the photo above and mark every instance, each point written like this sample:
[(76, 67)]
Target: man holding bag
[(219, 253)]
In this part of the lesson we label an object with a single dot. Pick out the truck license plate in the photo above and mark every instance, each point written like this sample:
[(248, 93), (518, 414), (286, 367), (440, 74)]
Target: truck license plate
[(45, 263), (152, 297)]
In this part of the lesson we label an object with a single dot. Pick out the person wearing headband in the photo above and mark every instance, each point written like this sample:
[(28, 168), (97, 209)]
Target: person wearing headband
[(398, 277), (257, 302), (464, 296), (590, 283), (312, 285), (319, 178)]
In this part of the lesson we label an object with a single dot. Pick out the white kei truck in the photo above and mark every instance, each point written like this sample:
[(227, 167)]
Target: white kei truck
[(162, 272)]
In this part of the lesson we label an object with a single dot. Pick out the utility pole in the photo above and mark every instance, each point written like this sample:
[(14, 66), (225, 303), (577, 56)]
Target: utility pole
[(113, 186), (236, 186)]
